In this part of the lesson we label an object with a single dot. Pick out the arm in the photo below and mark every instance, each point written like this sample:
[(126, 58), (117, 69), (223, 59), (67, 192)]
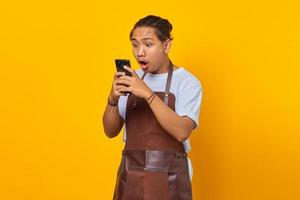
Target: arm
[(112, 121), (178, 126)]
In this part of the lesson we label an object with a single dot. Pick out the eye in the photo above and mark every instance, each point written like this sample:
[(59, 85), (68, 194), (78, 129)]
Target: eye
[(148, 44), (134, 45)]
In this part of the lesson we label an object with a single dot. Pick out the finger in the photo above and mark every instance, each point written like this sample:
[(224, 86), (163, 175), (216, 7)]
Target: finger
[(118, 74), (118, 93), (121, 93), (125, 89), (129, 78), (130, 70), (123, 82), (119, 89)]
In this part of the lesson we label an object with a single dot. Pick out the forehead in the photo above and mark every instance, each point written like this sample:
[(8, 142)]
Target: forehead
[(143, 33)]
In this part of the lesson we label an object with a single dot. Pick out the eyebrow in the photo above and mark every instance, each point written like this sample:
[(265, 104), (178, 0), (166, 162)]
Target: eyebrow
[(133, 39)]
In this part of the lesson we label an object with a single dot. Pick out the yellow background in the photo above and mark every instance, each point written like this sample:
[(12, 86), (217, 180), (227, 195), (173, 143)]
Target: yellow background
[(57, 65)]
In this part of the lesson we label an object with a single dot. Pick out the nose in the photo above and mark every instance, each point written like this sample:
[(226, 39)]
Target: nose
[(141, 52)]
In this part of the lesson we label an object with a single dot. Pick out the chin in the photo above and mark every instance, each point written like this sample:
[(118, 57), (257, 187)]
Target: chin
[(146, 70)]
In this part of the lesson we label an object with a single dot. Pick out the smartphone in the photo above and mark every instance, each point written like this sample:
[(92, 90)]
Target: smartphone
[(120, 63)]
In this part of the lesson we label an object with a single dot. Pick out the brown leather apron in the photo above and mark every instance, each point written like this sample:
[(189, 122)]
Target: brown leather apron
[(154, 165)]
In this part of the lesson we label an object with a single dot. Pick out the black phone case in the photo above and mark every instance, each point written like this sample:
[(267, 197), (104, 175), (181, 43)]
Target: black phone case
[(120, 63)]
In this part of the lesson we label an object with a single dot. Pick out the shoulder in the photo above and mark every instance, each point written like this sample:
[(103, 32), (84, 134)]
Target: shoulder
[(186, 79)]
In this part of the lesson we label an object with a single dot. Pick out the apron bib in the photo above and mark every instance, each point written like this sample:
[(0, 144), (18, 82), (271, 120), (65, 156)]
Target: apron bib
[(154, 164)]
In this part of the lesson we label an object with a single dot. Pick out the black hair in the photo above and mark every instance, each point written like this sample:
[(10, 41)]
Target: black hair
[(162, 26)]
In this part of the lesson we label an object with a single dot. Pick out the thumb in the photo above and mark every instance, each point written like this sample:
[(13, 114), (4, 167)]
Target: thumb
[(131, 71)]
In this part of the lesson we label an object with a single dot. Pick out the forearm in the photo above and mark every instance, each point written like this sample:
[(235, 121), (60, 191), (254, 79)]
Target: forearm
[(174, 124), (112, 122)]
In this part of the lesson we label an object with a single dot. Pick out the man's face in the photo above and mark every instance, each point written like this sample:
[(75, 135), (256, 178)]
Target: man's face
[(147, 49)]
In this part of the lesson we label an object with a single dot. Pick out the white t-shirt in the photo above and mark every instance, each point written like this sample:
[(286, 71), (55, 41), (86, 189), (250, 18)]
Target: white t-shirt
[(188, 97)]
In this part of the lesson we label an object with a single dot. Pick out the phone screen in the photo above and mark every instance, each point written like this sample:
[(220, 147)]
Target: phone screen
[(120, 63)]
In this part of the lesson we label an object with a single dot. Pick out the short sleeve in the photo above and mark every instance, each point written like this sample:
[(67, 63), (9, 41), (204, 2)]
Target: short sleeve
[(189, 100), (122, 106), (122, 112)]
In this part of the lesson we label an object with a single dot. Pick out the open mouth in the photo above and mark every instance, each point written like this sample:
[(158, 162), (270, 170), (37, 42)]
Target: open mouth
[(143, 64)]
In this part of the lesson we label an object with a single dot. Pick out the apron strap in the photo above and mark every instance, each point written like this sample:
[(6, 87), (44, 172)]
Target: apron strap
[(168, 83)]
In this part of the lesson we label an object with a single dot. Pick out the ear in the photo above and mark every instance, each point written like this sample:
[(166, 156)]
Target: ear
[(167, 45)]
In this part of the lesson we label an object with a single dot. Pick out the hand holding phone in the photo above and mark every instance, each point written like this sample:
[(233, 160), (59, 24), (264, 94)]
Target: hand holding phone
[(120, 63)]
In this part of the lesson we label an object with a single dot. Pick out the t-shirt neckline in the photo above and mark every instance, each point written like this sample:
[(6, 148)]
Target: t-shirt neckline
[(163, 74)]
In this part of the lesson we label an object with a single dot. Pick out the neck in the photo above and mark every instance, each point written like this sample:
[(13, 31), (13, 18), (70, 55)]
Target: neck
[(164, 67)]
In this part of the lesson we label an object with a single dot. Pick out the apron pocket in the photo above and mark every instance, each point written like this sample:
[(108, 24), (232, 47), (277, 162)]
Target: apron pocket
[(146, 185), (156, 186), (134, 188)]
